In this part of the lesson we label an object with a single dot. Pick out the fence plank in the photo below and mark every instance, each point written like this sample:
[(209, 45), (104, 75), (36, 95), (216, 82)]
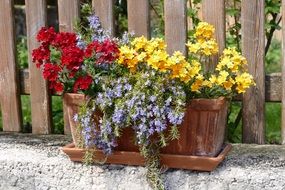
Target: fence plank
[(9, 89), (138, 17), (175, 25), (252, 22), (36, 14), (104, 10), (213, 12), (283, 75), (68, 12)]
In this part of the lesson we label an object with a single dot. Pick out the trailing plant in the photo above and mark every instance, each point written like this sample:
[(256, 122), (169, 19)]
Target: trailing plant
[(147, 99)]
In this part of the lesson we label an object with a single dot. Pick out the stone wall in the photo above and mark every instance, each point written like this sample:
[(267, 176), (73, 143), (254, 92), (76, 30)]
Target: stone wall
[(30, 162)]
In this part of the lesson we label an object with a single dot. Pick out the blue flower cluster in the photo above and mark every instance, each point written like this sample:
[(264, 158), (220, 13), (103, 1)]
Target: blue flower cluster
[(99, 34), (153, 106), (148, 102)]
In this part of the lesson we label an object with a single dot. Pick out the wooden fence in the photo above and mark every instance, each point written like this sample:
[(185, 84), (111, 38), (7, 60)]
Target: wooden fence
[(14, 82)]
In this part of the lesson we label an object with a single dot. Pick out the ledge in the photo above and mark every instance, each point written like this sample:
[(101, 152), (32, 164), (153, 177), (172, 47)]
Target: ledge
[(36, 162)]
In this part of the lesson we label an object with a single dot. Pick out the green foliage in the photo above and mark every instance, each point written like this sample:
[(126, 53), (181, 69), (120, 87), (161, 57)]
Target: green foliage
[(57, 115), (26, 109), (272, 123), (192, 12), (22, 52), (122, 16), (157, 21), (151, 153), (273, 57)]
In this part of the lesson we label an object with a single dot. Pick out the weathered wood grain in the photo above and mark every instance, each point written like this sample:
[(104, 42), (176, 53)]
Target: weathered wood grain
[(9, 88), (36, 14), (283, 75), (138, 17), (252, 22), (104, 9), (68, 13), (273, 87), (213, 12), (175, 25)]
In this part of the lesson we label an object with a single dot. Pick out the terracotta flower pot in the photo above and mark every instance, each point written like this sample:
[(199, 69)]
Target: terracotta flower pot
[(201, 133)]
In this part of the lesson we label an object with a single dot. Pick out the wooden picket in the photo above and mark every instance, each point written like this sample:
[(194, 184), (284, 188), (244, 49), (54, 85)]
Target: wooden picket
[(175, 25), (268, 88), (68, 13), (253, 36), (36, 13), (104, 10), (138, 17), (9, 88), (213, 12)]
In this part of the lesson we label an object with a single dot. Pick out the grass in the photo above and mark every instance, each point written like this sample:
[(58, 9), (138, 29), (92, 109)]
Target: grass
[(272, 123)]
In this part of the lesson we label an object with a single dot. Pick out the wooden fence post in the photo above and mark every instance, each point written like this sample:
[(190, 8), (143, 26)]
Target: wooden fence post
[(138, 17), (104, 10), (36, 13), (283, 74), (252, 24), (9, 84), (175, 25), (68, 12), (213, 12)]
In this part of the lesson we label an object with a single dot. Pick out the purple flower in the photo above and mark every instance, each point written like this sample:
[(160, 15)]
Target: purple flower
[(80, 43), (128, 87), (94, 22), (152, 98), (118, 116)]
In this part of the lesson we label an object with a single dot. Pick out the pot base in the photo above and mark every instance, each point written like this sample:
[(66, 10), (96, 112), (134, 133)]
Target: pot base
[(199, 163)]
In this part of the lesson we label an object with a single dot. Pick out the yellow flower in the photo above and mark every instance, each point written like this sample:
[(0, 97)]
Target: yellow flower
[(240, 89), (230, 51), (159, 43), (225, 61), (243, 81), (158, 60), (228, 84), (207, 83), (222, 77), (204, 31), (139, 43), (209, 47), (213, 79), (193, 48), (195, 87), (141, 56)]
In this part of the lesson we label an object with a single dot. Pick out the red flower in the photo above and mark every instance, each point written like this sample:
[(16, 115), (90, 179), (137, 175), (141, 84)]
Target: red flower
[(65, 39), (41, 55), (46, 35), (57, 86), (105, 52), (91, 49), (72, 58), (82, 83), (51, 71), (110, 52)]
